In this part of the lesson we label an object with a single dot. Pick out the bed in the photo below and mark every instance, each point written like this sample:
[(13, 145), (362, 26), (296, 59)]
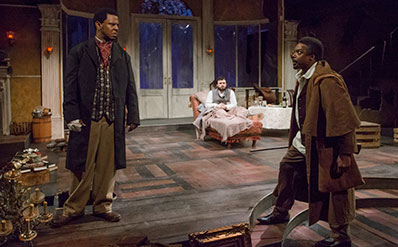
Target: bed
[(252, 134)]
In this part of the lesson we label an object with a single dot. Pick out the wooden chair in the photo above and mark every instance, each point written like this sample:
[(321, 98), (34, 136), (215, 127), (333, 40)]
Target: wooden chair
[(267, 94)]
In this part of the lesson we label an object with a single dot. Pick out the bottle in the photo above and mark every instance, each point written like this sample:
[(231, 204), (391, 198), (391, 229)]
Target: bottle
[(284, 100)]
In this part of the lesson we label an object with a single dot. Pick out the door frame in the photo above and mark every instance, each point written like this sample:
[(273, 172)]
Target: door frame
[(167, 90)]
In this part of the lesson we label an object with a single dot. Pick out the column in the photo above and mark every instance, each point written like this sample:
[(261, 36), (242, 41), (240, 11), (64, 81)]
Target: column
[(290, 40), (123, 10), (207, 42), (5, 98), (51, 82), (281, 18)]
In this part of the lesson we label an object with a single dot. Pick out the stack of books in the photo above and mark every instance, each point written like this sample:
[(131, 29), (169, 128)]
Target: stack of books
[(31, 160)]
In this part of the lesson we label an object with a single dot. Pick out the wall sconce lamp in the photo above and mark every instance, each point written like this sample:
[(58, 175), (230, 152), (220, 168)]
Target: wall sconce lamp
[(49, 50), (11, 38), (209, 50)]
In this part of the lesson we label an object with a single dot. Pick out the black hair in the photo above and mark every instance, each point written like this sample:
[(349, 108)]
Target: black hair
[(314, 45), (100, 15), (221, 77)]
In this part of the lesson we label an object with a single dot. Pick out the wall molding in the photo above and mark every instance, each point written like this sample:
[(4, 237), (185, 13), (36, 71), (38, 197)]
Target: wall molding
[(75, 12), (17, 6), (25, 76)]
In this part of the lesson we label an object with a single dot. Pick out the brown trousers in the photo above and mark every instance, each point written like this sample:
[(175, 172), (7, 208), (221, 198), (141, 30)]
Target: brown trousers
[(292, 179), (99, 176)]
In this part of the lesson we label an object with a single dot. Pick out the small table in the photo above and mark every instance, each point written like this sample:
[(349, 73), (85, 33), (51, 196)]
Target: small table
[(275, 117), (275, 89)]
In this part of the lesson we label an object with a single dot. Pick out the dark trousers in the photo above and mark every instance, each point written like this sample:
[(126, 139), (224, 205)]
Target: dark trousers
[(292, 179)]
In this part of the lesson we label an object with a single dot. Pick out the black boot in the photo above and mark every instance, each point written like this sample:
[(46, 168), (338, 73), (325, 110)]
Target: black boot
[(272, 219), (331, 242)]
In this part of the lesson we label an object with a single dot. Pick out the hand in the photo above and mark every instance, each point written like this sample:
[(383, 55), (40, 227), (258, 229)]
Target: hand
[(345, 162), (222, 106), (76, 125), (132, 127)]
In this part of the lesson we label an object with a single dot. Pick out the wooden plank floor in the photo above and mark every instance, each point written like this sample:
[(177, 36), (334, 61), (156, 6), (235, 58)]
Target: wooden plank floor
[(175, 185)]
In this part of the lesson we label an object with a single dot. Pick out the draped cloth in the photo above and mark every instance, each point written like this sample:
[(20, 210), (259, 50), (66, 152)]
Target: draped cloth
[(226, 123)]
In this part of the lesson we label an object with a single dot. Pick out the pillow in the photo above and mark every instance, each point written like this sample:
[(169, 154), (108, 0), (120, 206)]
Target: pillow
[(202, 96)]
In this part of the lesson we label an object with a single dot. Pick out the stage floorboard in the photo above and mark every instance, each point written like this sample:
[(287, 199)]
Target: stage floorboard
[(175, 185)]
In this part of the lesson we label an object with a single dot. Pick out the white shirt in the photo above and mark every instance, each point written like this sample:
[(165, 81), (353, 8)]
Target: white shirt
[(232, 100), (302, 80)]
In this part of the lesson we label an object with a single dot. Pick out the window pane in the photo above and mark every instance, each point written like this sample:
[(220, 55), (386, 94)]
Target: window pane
[(91, 28), (182, 55), (77, 30), (269, 55), (248, 66), (151, 63), (165, 7), (224, 53)]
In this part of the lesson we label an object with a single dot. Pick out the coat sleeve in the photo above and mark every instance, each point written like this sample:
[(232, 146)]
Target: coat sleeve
[(341, 117), (345, 144), (71, 89), (133, 115)]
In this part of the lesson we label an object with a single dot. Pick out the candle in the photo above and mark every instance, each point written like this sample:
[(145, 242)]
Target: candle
[(31, 207), (45, 208), (28, 223), (37, 193), (3, 226)]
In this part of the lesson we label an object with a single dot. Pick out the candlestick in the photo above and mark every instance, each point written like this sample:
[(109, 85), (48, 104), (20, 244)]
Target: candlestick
[(30, 212), (29, 234), (45, 216), (6, 228), (37, 197), (45, 207), (12, 175)]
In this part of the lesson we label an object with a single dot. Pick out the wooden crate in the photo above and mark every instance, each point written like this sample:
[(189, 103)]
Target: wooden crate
[(368, 135), (20, 128)]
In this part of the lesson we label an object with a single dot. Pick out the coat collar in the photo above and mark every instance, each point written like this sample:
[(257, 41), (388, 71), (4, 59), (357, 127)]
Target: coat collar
[(91, 50), (116, 52), (321, 68)]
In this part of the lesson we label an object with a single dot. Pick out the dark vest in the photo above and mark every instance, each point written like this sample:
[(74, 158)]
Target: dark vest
[(301, 105), (217, 99), (104, 103)]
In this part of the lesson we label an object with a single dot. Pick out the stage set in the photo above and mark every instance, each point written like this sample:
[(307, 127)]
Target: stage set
[(177, 190)]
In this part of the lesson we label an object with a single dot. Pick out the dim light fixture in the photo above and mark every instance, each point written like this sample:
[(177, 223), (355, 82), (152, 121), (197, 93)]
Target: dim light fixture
[(50, 49), (209, 50), (11, 38)]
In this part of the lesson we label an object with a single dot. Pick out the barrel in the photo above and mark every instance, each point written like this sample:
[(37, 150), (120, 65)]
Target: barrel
[(41, 129)]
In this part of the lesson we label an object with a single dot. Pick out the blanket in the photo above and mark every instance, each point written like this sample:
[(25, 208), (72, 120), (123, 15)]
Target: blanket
[(226, 123)]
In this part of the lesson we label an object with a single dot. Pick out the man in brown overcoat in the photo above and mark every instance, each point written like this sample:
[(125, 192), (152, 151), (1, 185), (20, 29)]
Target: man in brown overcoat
[(322, 114)]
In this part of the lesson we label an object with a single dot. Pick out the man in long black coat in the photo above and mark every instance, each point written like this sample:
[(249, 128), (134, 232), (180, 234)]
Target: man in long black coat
[(98, 88)]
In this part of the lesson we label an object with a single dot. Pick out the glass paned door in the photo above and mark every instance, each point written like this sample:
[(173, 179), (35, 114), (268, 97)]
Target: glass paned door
[(150, 50), (182, 55), (151, 47), (183, 66), (167, 66)]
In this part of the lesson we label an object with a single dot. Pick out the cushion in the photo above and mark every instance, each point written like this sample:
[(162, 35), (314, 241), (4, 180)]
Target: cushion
[(202, 96)]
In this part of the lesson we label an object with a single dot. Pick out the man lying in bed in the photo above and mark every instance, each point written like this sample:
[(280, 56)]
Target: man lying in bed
[(221, 113)]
